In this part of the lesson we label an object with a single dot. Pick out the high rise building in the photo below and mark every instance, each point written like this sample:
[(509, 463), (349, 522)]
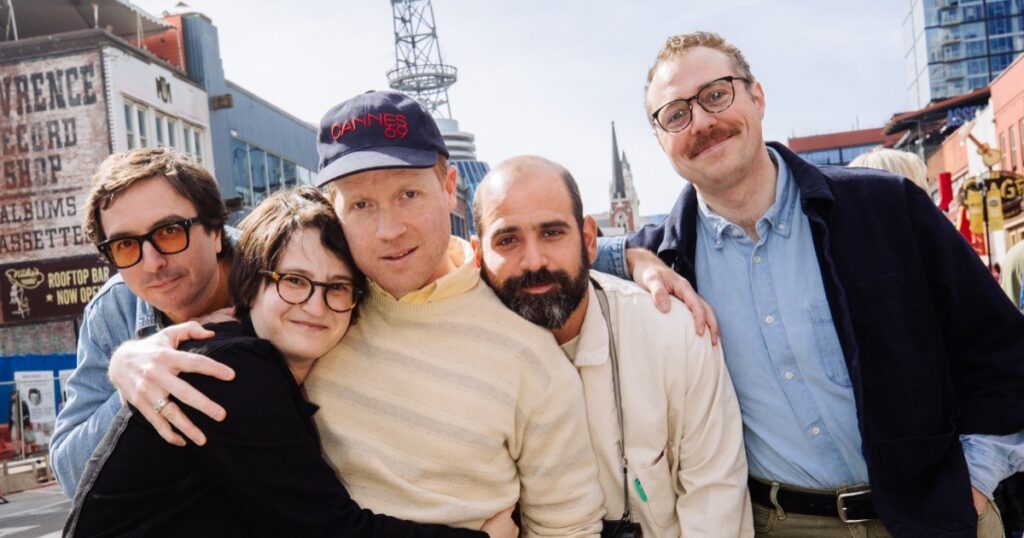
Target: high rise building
[(954, 46), (421, 72)]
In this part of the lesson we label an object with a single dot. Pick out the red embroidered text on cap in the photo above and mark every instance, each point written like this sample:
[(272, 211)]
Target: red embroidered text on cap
[(394, 125)]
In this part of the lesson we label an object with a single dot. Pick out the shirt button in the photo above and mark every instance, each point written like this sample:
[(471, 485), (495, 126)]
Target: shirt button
[(815, 431), (789, 375), (769, 319), (782, 226), (757, 259), (736, 233)]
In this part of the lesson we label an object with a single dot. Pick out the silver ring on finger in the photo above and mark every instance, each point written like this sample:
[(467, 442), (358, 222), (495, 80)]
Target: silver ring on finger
[(159, 405)]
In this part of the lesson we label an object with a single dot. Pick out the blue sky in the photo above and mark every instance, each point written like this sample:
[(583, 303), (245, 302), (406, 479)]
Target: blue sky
[(548, 77)]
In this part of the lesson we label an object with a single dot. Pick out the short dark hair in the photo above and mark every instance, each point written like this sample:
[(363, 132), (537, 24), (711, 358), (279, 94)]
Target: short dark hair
[(118, 172), (266, 232), (570, 186), (35, 391)]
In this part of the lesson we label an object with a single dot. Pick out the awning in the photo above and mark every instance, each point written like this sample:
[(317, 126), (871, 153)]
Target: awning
[(35, 18)]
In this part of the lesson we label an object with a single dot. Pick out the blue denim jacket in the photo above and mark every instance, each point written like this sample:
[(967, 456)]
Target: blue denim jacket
[(114, 316)]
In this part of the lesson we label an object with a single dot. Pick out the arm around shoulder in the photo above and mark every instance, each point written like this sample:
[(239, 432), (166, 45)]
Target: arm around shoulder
[(265, 423)]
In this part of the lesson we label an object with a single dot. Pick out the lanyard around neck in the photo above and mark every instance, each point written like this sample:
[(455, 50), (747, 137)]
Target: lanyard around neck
[(613, 355)]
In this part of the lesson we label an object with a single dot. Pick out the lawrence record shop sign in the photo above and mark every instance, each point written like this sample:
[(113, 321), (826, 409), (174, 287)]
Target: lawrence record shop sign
[(35, 291), (53, 135)]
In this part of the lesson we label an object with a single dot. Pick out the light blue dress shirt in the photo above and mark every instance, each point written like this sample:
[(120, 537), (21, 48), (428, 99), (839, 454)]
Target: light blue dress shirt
[(799, 414)]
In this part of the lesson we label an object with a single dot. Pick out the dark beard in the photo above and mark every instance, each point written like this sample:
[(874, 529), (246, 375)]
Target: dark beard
[(549, 310)]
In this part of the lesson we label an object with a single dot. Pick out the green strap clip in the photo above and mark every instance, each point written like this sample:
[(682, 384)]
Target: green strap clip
[(640, 490)]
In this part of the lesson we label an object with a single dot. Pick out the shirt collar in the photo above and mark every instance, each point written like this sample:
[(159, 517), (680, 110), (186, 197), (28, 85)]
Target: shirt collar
[(592, 348), (778, 218)]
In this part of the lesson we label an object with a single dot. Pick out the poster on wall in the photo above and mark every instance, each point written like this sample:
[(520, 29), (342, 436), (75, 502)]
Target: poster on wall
[(34, 291), (53, 135), (36, 390), (63, 375)]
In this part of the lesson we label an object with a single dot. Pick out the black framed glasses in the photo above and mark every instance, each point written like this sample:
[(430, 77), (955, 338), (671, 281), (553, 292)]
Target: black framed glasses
[(297, 289), (714, 97), (126, 251)]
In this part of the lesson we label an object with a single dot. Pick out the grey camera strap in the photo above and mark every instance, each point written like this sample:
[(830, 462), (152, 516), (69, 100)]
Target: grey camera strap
[(613, 355)]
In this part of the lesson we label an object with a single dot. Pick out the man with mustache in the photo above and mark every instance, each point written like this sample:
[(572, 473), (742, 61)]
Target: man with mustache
[(877, 364), (649, 381)]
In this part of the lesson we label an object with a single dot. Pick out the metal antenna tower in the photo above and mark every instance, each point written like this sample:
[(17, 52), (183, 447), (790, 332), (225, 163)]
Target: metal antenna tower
[(419, 70)]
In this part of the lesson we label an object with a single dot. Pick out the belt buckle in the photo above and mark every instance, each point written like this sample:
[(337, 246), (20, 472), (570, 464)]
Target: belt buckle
[(841, 505)]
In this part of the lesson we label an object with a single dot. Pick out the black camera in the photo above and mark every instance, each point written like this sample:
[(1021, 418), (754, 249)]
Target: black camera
[(621, 528)]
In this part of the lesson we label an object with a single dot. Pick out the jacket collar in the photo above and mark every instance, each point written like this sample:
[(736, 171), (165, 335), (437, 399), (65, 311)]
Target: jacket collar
[(681, 225), (592, 349)]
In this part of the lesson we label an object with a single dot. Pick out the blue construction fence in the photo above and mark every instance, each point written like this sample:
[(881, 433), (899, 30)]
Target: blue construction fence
[(36, 363)]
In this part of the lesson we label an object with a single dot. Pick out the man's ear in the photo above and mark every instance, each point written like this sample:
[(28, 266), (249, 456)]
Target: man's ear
[(478, 253), (590, 237), (450, 184)]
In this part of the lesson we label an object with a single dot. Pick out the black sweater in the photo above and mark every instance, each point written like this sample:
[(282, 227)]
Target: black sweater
[(260, 473)]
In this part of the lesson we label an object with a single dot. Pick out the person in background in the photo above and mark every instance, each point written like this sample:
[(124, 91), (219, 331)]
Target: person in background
[(261, 471), (901, 163), (1013, 273)]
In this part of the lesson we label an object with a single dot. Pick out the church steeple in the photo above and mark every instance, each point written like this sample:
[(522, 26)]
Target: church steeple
[(624, 202), (618, 181)]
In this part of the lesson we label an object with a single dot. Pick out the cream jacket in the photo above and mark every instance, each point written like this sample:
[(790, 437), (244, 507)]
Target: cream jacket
[(684, 435)]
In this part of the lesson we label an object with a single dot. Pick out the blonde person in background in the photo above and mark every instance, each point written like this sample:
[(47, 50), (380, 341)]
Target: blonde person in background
[(901, 163)]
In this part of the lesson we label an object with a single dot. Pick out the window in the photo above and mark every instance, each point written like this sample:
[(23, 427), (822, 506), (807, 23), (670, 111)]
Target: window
[(135, 125), (197, 138), (240, 171), (1002, 149), (172, 133), (288, 171), (1020, 130), (129, 125), (258, 166), (273, 173), (192, 141), (159, 131), (304, 176), (1013, 149), (141, 125)]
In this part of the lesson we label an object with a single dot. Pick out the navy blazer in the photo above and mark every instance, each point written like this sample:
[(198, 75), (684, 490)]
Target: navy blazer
[(934, 347)]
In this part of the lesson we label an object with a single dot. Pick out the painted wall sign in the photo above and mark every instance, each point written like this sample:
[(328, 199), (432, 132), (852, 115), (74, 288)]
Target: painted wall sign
[(53, 135)]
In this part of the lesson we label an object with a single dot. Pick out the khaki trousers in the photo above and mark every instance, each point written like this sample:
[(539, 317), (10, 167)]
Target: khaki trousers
[(768, 523)]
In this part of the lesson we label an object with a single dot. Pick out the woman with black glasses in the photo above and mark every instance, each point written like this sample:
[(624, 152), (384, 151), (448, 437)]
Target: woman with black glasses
[(260, 473)]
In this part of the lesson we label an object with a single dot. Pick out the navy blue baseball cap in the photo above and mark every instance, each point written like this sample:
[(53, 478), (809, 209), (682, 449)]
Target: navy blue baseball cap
[(376, 130)]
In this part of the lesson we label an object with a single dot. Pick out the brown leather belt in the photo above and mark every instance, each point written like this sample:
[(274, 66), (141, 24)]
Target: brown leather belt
[(848, 506)]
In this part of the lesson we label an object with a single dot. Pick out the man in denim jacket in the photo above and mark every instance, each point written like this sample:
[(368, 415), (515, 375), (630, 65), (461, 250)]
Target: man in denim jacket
[(159, 219)]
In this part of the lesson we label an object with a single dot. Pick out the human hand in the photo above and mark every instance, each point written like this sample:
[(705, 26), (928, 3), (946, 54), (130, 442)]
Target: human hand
[(980, 500), (500, 525), (662, 282), (218, 316), (146, 371)]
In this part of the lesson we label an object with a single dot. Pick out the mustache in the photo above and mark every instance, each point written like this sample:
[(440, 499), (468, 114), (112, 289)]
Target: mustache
[(540, 277), (702, 140)]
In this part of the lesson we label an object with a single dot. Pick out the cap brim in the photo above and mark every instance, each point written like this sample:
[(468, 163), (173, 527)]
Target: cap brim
[(375, 159)]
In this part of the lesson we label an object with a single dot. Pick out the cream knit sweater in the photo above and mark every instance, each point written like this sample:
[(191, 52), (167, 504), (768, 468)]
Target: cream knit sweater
[(451, 411)]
